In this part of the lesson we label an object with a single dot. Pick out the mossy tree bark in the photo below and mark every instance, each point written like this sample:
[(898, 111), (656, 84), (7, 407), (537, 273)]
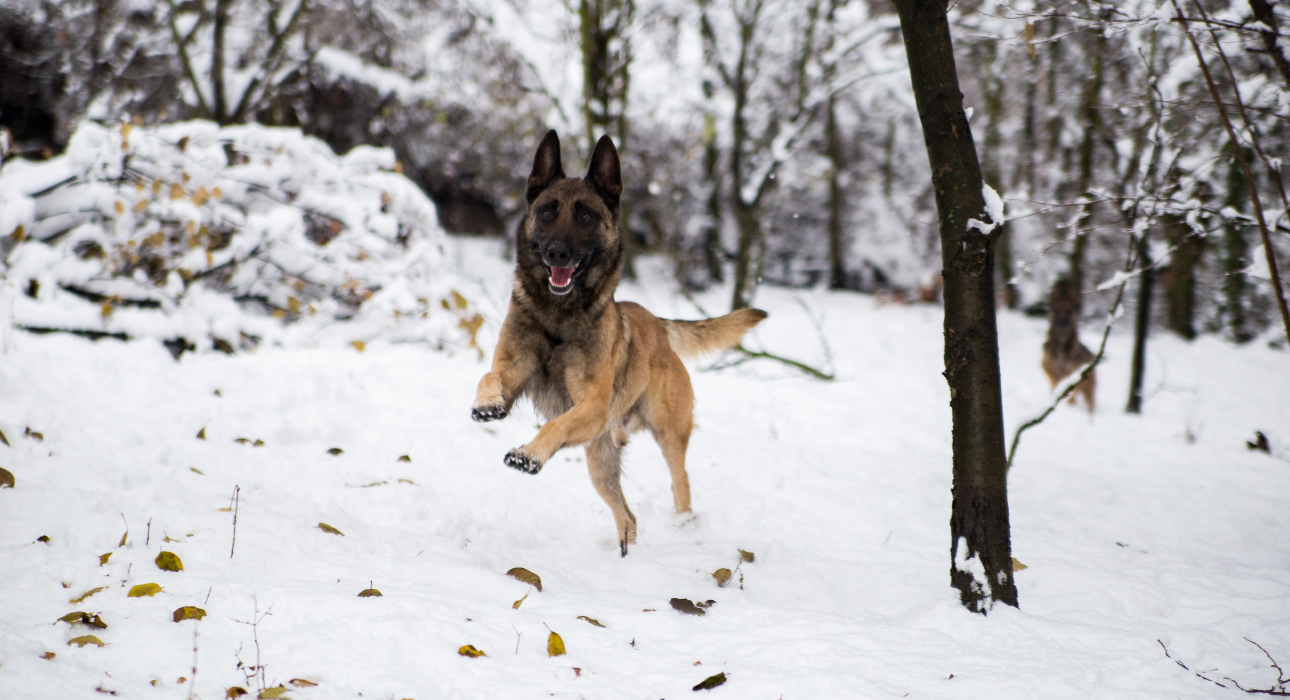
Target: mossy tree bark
[(980, 544)]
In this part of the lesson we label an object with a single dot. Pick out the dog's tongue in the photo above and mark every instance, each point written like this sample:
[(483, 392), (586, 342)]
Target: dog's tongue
[(560, 276)]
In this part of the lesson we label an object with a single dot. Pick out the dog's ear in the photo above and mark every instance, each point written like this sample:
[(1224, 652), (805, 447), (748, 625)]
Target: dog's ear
[(546, 166), (605, 173)]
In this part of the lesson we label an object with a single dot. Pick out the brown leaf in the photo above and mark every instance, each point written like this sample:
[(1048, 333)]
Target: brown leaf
[(43, 538), (554, 645), (329, 529), (37, 436), (4, 439), (722, 576), (235, 692), (176, 191), (189, 612), (358, 345), (405, 458), (87, 594), (711, 682), (369, 593), (335, 451), (87, 639), (144, 589), (747, 556), (274, 693), (200, 196), (201, 434), (48, 656), (591, 620), (103, 558), (687, 606), (84, 618), (521, 574), (1018, 566), (6, 478), (516, 604), (302, 683), (169, 561), (470, 651)]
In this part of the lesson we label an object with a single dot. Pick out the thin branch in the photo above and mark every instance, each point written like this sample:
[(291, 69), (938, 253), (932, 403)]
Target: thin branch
[(182, 44)]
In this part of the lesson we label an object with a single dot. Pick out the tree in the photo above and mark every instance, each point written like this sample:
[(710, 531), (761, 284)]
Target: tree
[(980, 548)]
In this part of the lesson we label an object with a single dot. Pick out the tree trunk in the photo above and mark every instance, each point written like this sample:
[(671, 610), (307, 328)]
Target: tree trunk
[(1263, 13), (1234, 254), (1142, 324), (747, 216), (993, 93), (979, 528), (1180, 276), (713, 255), (837, 256), (219, 96), (1092, 125)]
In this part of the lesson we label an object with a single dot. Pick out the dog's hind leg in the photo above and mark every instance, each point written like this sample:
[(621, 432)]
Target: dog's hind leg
[(604, 460), (670, 412)]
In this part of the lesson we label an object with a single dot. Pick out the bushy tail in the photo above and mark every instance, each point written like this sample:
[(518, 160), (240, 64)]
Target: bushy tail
[(691, 339)]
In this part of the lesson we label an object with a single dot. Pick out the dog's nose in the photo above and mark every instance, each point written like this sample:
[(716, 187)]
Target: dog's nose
[(558, 254)]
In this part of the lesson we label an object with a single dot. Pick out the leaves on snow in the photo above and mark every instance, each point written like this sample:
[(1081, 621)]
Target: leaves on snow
[(1018, 566), (274, 693), (521, 574), (302, 683), (689, 607), (103, 558), (169, 561), (591, 620), (335, 451), (48, 656), (405, 458), (234, 692), (38, 437), (86, 594), (554, 645), (747, 556), (189, 612), (369, 593), (201, 434), (4, 439), (722, 576), (329, 529), (84, 618), (470, 651), (43, 538), (516, 604), (143, 589), (87, 639), (247, 441), (711, 682), (6, 478)]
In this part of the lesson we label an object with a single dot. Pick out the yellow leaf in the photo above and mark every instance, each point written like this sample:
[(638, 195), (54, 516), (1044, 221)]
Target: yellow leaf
[(273, 693), (103, 558), (200, 196), (722, 576), (118, 206), (591, 620), (176, 191), (125, 129), (470, 651), (747, 556), (234, 692), (83, 618), (156, 187), (216, 193), (140, 206), (1018, 566), (189, 612), (144, 589), (458, 299), (522, 574), (369, 593), (516, 604), (87, 639), (195, 470), (711, 682), (20, 234), (554, 645), (258, 443), (302, 683), (6, 478), (86, 594), (201, 434), (277, 313), (329, 529), (169, 561), (106, 309), (358, 345), (294, 305)]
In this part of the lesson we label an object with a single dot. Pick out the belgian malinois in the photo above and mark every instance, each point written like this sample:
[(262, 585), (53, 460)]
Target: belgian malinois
[(597, 369), (1063, 351)]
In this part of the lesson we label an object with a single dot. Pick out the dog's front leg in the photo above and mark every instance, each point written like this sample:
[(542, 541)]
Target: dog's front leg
[(581, 424), (498, 389)]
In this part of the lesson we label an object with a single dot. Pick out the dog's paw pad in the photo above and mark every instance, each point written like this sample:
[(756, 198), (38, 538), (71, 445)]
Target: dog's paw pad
[(483, 414), (517, 459)]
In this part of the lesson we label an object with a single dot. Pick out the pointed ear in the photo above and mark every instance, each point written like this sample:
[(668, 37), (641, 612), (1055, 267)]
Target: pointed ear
[(605, 172), (546, 166)]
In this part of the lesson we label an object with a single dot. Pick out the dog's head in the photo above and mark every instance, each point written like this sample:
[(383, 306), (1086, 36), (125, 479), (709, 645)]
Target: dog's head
[(569, 244)]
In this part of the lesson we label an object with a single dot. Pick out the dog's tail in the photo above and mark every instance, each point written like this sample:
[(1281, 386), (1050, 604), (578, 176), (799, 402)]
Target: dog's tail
[(691, 339)]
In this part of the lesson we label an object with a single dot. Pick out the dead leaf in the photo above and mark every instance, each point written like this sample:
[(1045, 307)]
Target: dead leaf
[(201, 434), (335, 451), (235, 692), (747, 556), (242, 441), (43, 538), (118, 207), (123, 536), (369, 593), (329, 529), (87, 639), (722, 576), (176, 191), (302, 683), (195, 470), (6, 478), (200, 196), (144, 589), (37, 436), (554, 645), (140, 206), (258, 443), (169, 561), (189, 612), (86, 594), (84, 618), (48, 656), (408, 481), (4, 439), (1018, 566), (470, 651), (522, 574), (458, 299), (711, 682), (591, 620), (358, 345), (273, 693), (689, 607), (405, 458), (516, 604), (103, 558)]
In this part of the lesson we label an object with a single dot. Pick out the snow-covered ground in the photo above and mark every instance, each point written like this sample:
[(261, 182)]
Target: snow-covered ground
[(1139, 533)]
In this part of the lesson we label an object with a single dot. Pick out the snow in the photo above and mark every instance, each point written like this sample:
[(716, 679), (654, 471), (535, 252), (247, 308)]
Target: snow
[(1135, 529), (993, 210)]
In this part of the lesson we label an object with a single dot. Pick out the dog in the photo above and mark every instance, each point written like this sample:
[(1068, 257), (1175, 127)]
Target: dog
[(1063, 352), (597, 369)]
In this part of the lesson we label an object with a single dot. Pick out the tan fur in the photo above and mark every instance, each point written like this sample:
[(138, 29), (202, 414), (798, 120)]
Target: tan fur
[(1064, 354), (598, 369)]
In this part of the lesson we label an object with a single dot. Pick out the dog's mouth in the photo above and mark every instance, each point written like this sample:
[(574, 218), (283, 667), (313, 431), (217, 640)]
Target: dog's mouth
[(560, 279)]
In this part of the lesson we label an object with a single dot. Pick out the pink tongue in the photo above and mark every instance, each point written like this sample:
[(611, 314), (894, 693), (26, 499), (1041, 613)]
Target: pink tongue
[(560, 275)]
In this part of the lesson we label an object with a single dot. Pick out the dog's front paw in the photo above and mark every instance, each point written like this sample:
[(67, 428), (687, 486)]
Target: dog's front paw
[(483, 414), (521, 460)]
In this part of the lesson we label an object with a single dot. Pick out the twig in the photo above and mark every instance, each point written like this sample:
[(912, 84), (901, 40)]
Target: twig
[(237, 501), (753, 355), (192, 685), (147, 539), (518, 634)]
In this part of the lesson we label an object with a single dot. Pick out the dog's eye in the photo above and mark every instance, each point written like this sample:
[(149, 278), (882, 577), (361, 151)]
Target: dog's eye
[(547, 215), (585, 218)]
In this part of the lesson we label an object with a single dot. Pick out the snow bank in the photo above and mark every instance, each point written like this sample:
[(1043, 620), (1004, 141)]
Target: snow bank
[(225, 237)]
